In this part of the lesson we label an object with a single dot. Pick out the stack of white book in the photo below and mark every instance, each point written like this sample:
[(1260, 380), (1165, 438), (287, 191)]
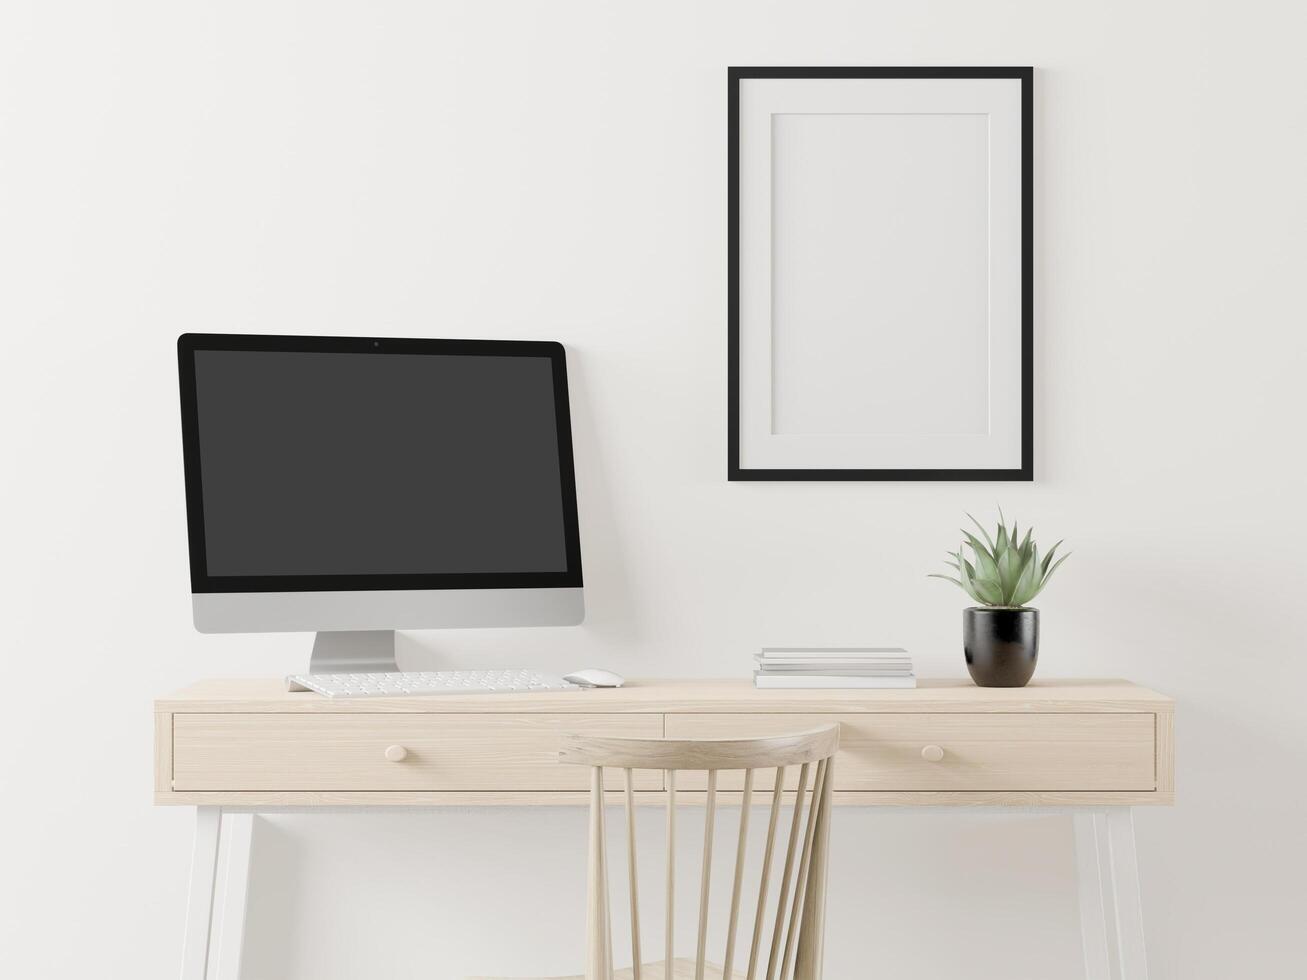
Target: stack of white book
[(834, 667)]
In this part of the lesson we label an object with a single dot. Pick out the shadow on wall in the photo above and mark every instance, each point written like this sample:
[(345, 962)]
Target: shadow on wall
[(610, 612)]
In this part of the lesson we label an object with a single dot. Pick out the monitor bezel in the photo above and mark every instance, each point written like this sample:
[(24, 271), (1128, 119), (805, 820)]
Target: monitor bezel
[(202, 582)]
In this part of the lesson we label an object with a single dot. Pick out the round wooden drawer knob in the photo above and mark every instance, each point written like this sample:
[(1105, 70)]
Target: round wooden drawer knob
[(932, 753), (396, 753)]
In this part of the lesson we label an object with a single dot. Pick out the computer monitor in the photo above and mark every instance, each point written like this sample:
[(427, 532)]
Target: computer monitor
[(355, 486)]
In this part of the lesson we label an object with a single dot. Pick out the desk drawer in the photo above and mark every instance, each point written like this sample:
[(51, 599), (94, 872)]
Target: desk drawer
[(981, 752), (455, 752)]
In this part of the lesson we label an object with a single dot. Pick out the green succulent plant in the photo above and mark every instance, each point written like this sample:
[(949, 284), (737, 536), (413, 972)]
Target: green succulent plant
[(1003, 572)]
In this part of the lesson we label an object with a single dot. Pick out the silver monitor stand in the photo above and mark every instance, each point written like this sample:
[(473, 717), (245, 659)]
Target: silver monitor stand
[(353, 652)]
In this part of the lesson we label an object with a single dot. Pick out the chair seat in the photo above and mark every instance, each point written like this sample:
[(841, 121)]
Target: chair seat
[(682, 969)]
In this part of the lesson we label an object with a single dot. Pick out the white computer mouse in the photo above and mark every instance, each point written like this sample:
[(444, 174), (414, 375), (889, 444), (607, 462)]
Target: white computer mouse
[(595, 677)]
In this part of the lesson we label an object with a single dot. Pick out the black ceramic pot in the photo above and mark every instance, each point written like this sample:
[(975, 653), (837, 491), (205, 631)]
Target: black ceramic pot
[(1001, 645)]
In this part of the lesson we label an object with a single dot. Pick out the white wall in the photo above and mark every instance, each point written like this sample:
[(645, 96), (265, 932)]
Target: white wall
[(558, 171)]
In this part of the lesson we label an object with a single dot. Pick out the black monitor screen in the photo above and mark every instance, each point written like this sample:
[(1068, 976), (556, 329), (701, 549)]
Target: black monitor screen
[(383, 462)]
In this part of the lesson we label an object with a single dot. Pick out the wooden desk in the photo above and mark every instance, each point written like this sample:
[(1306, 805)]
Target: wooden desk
[(234, 747)]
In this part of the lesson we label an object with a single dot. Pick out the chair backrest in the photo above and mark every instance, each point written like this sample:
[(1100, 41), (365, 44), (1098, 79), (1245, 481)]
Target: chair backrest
[(795, 931)]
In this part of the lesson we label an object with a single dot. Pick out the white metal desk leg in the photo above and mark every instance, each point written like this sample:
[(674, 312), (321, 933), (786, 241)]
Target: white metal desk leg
[(227, 927), (199, 904), (1093, 896), (1111, 916), (215, 912), (1131, 955)]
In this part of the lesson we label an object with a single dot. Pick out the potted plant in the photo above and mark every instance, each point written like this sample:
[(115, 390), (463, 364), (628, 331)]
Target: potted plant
[(1000, 637)]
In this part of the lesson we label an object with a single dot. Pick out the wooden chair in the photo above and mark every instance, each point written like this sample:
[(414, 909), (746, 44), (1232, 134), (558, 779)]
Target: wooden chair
[(794, 950)]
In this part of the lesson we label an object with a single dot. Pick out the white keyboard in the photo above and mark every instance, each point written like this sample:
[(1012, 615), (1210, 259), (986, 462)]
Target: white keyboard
[(400, 683)]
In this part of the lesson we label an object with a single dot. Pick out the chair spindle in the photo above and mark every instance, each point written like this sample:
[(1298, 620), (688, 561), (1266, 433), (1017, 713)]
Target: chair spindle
[(767, 857), (709, 819), (599, 957), (812, 928), (670, 927), (773, 960), (801, 880), (631, 874), (746, 801)]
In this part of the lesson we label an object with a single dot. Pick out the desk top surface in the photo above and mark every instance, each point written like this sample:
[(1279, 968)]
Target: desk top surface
[(686, 695)]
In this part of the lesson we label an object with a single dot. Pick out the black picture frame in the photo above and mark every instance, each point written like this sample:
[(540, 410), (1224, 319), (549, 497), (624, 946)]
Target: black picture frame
[(203, 582), (1025, 472)]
